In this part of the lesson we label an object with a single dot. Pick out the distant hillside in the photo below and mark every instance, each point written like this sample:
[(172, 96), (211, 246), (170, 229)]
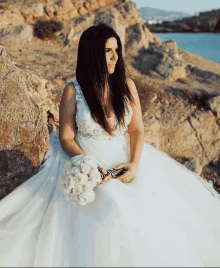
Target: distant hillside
[(205, 22), (150, 13)]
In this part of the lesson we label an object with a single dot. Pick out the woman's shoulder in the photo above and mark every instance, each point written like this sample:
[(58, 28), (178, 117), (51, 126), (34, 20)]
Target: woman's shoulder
[(131, 86), (130, 82), (69, 91), (70, 86)]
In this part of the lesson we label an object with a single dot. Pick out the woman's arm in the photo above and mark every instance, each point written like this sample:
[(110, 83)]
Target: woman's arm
[(136, 126), (67, 114), (67, 118)]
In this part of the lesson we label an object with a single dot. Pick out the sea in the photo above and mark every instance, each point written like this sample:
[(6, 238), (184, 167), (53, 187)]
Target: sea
[(206, 45)]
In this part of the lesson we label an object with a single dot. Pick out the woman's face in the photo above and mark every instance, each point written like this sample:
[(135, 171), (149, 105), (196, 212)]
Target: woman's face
[(111, 52)]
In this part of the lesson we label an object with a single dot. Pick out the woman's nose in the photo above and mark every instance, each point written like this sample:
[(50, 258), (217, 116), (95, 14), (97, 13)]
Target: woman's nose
[(114, 56)]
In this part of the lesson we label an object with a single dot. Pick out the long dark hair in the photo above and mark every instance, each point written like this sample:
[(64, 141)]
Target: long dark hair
[(93, 76)]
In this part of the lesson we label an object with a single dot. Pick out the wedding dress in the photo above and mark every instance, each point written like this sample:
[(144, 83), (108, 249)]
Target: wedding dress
[(167, 216)]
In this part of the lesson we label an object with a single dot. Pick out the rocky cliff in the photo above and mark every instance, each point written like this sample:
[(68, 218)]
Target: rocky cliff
[(179, 91)]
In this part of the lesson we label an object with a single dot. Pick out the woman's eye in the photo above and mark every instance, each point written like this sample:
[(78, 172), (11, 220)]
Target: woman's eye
[(110, 50)]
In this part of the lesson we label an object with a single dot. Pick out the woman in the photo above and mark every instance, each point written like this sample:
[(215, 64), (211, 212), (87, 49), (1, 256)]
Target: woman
[(158, 213)]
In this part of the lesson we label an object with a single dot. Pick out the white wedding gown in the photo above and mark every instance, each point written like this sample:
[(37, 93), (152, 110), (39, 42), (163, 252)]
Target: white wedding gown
[(167, 216)]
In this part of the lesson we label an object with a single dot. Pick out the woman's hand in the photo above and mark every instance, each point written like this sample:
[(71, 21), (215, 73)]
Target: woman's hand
[(130, 174), (106, 178)]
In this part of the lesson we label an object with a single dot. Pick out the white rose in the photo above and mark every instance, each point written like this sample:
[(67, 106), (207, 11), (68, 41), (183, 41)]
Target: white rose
[(78, 189), (85, 168), (68, 180), (90, 161), (66, 169), (77, 160), (88, 196), (70, 183), (75, 170), (95, 175), (90, 185), (73, 197), (82, 178)]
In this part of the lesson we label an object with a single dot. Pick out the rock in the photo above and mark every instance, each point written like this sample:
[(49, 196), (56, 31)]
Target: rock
[(164, 68), (11, 18), (149, 36), (214, 105), (192, 164), (130, 13), (179, 72), (51, 10), (159, 62), (172, 45), (33, 12), (87, 5), (24, 138), (136, 40), (73, 40), (207, 132), (20, 34), (107, 15), (83, 22), (66, 10), (210, 172), (173, 139), (203, 73), (156, 39)]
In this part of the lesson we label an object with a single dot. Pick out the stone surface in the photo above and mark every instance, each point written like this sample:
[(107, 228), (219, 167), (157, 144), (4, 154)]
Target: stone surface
[(214, 105), (10, 18), (203, 73), (130, 13), (207, 132), (24, 136), (158, 61), (135, 39), (22, 34)]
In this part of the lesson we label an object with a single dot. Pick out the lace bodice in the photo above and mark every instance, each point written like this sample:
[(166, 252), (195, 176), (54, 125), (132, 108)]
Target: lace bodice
[(86, 126)]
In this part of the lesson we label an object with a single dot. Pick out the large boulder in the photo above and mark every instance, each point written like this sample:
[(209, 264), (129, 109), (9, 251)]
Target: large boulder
[(24, 138), (135, 39), (130, 13), (162, 62)]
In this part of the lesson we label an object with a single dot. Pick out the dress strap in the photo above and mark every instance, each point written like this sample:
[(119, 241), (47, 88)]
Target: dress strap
[(79, 94)]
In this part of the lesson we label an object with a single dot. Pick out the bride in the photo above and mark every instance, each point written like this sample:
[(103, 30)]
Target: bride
[(158, 213)]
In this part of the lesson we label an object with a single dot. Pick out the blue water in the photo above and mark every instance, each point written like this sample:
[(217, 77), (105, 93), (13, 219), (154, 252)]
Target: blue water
[(206, 45)]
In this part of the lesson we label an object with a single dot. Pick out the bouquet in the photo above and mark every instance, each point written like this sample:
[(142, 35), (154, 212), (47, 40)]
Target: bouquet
[(80, 176)]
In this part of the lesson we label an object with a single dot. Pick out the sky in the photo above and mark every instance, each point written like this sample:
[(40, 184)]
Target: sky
[(189, 6)]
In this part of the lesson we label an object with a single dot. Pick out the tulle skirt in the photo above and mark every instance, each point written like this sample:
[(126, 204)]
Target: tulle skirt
[(167, 216)]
